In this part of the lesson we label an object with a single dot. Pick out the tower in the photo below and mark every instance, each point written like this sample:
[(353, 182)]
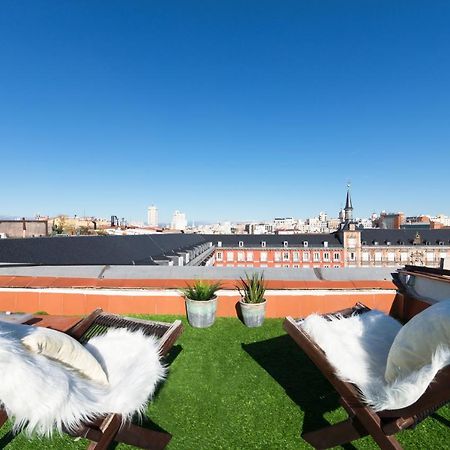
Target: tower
[(348, 210), (152, 216)]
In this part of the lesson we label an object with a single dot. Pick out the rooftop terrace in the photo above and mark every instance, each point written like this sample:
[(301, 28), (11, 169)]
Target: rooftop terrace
[(232, 387)]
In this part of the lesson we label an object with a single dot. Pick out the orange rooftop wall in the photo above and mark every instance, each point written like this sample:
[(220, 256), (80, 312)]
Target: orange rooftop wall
[(72, 296)]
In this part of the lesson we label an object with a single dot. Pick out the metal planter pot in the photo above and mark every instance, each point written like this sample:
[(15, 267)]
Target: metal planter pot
[(253, 314), (201, 314)]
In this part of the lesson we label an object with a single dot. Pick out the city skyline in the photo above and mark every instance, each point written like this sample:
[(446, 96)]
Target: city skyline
[(224, 111)]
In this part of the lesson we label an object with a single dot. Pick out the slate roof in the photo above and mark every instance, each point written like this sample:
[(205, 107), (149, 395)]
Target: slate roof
[(96, 250), (146, 249), (404, 237)]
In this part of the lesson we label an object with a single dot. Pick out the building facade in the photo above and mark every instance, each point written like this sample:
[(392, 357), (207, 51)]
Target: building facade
[(152, 216), (349, 246), (179, 221)]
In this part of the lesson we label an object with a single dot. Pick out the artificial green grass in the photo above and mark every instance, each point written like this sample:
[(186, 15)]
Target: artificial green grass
[(232, 387)]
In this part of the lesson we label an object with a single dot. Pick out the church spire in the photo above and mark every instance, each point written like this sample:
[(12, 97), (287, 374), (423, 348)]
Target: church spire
[(348, 206)]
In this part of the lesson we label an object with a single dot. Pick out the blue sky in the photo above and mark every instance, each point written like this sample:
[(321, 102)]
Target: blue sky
[(224, 110)]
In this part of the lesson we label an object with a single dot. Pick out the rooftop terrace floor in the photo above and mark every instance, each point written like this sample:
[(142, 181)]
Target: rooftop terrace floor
[(232, 387)]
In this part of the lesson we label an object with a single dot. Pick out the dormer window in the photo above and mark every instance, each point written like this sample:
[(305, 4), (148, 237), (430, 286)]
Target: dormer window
[(364, 242), (285, 244), (325, 244), (305, 243), (375, 242), (263, 244), (219, 244), (427, 242), (401, 243), (441, 242), (241, 244), (388, 242)]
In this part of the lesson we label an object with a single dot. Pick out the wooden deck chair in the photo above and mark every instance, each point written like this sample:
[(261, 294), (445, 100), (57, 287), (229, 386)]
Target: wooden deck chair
[(108, 429), (363, 420)]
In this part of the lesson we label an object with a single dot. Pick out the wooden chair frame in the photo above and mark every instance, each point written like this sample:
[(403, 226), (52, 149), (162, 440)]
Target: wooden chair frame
[(109, 428), (363, 420)]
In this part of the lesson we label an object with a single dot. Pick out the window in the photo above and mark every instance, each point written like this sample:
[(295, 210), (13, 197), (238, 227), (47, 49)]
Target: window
[(285, 256), (219, 244), (325, 244), (285, 244), (391, 256), (352, 256), (351, 242), (295, 266), (241, 243), (326, 266), (377, 256), (316, 256), (305, 243), (286, 265), (430, 256), (326, 256), (230, 256), (277, 256), (219, 256), (263, 256), (249, 256), (263, 244), (305, 256), (365, 256), (295, 256), (336, 266), (277, 265), (403, 256), (336, 256), (240, 256)]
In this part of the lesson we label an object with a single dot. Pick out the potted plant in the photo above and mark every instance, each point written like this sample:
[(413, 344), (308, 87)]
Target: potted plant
[(201, 303), (252, 302)]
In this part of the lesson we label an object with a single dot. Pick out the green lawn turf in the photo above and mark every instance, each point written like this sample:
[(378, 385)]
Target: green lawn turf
[(232, 387)]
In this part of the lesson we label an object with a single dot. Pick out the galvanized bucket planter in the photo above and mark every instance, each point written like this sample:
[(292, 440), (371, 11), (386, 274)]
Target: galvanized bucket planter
[(253, 314), (201, 313)]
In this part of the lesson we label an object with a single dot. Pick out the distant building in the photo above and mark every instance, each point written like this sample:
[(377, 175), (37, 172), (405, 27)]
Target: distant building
[(179, 221), (351, 246), (391, 220), (23, 228), (152, 216)]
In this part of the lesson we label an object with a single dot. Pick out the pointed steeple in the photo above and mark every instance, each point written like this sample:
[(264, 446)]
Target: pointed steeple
[(348, 206)]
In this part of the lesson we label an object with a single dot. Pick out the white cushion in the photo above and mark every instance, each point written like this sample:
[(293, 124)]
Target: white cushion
[(418, 341), (63, 348)]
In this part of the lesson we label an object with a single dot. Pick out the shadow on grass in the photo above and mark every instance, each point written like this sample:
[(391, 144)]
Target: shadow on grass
[(439, 418), (6, 439), (281, 358)]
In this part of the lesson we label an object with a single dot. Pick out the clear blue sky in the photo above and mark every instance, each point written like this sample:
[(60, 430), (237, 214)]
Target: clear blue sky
[(224, 110)]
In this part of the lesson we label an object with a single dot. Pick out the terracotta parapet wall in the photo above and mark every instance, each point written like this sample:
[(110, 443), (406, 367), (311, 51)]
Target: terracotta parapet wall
[(149, 283), (280, 302)]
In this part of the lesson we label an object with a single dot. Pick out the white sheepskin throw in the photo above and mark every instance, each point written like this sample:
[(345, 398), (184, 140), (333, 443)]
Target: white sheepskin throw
[(41, 395), (358, 346)]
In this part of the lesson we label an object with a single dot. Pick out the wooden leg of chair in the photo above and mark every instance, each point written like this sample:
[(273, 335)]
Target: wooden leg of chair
[(143, 438), (3, 417), (334, 435), (108, 429)]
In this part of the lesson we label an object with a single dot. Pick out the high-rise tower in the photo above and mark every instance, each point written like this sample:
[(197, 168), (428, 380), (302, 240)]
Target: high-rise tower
[(152, 216)]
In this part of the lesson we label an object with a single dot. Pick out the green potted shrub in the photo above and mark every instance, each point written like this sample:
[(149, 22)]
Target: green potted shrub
[(252, 302), (201, 303)]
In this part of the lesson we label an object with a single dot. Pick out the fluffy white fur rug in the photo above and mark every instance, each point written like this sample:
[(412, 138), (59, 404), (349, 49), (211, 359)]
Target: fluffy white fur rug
[(42, 395), (358, 347)]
